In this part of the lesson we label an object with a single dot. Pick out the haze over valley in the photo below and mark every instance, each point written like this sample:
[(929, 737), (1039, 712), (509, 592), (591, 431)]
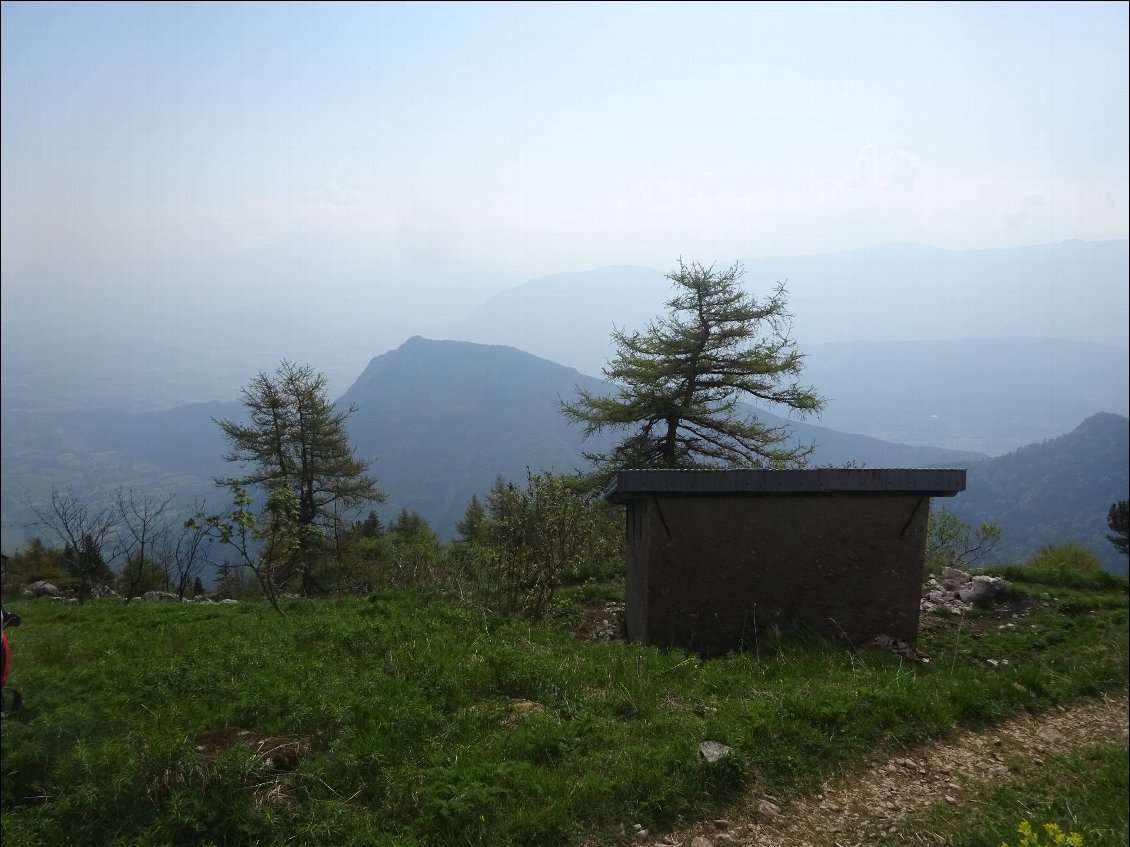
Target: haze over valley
[(449, 215)]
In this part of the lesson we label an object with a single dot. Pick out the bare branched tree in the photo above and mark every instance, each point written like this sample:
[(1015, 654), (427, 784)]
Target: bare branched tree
[(83, 530), (187, 551), (141, 534)]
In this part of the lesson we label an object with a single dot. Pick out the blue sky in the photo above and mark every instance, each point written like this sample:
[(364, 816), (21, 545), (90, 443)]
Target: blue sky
[(443, 151)]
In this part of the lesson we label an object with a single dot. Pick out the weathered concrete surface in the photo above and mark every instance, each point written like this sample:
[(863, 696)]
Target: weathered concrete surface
[(712, 573)]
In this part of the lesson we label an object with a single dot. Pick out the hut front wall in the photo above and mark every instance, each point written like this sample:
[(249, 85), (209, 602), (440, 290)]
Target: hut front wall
[(707, 573)]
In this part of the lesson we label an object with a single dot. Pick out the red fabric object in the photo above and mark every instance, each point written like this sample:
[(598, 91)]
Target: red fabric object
[(7, 661)]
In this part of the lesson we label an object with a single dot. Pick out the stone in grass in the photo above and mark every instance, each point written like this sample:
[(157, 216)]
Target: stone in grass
[(41, 588), (983, 589), (713, 751), (768, 810), (160, 597)]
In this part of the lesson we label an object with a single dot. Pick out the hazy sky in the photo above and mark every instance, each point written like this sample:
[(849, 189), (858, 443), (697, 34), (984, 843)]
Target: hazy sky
[(423, 156)]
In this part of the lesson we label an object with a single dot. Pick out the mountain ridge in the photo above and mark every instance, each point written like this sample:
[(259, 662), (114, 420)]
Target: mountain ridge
[(443, 419)]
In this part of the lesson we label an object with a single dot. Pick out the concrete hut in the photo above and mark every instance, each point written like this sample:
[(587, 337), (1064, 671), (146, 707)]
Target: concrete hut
[(716, 557)]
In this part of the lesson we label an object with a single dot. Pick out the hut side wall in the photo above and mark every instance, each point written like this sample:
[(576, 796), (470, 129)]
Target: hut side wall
[(706, 573)]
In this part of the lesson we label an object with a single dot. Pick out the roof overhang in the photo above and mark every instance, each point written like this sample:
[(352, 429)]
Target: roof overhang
[(920, 482)]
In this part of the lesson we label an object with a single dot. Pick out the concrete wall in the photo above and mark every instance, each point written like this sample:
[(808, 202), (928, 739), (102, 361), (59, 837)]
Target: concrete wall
[(705, 572)]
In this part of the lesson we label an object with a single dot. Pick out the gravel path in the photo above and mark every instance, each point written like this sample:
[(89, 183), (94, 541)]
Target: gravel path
[(853, 810)]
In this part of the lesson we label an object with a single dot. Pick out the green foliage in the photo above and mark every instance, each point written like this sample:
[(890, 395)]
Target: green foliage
[(534, 537), (679, 383), (235, 582), (35, 563), (472, 527), (1064, 559), (409, 706), (412, 554), (139, 575), (952, 543), (272, 543), (1056, 578), (371, 527), (1118, 519), (296, 440)]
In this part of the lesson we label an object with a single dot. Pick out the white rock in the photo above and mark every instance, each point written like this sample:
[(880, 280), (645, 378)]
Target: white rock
[(41, 588), (712, 751)]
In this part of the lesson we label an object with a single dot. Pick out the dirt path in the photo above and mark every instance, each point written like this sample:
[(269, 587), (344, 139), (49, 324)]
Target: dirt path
[(875, 800)]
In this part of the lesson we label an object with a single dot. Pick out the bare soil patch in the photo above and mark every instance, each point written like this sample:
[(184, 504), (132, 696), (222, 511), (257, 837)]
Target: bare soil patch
[(274, 752)]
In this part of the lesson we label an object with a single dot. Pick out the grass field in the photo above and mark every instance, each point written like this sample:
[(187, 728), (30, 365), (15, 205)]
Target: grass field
[(419, 723)]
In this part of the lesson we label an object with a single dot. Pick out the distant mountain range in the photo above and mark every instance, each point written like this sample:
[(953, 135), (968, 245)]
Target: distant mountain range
[(440, 419), (984, 350), (1016, 384), (1057, 491), (443, 419), (986, 394)]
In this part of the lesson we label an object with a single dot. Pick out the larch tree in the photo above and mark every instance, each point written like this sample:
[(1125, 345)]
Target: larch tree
[(296, 440), (295, 437), (678, 385)]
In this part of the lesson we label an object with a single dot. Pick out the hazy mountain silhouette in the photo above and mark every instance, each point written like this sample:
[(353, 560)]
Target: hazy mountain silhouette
[(986, 394), (444, 418), (1057, 491), (440, 419), (887, 333)]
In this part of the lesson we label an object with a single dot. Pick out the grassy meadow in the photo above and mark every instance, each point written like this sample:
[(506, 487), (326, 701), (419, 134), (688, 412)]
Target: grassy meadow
[(422, 723)]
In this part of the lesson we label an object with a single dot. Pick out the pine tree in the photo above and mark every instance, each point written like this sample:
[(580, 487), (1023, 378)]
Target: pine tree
[(679, 383), (474, 524)]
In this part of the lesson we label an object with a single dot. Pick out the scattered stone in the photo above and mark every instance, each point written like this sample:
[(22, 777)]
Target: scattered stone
[(712, 751), (955, 578), (41, 588), (959, 590), (160, 597), (899, 648), (642, 835), (227, 601), (768, 810), (1051, 735), (701, 841), (983, 589), (606, 621)]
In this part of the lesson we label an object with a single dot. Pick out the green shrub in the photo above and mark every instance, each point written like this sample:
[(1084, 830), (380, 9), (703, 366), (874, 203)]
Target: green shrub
[(1101, 581), (1067, 558), (534, 539)]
